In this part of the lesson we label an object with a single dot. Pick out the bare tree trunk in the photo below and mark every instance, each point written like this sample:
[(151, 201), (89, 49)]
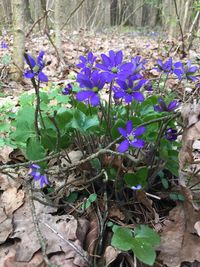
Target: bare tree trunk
[(7, 11), (19, 37), (57, 17), (27, 11)]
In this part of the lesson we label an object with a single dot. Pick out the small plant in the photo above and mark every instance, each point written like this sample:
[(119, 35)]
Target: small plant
[(110, 110), (141, 241)]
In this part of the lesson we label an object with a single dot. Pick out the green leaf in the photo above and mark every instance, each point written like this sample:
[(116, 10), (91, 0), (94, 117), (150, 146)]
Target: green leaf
[(63, 119), (34, 150), (82, 122), (181, 197), (114, 131), (122, 239), (165, 183), (172, 166), (4, 127), (24, 124), (72, 197), (173, 196), (96, 164), (147, 234), (143, 251), (136, 178), (92, 197)]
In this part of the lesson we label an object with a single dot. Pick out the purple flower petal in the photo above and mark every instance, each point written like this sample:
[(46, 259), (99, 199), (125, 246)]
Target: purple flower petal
[(138, 96), (42, 77), (119, 94), (29, 74), (34, 166), (139, 131), (40, 59), (94, 100), (122, 132), (101, 66), (129, 127), (193, 69), (83, 59), (138, 143), (123, 147), (83, 95), (43, 181), (178, 73), (122, 84), (128, 98), (112, 58), (172, 105), (106, 60), (157, 108), (30, 60), (118, 58), (178, 65), (108, 76)]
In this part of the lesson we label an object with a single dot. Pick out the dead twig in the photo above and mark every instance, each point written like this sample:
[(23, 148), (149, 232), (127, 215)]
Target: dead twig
[(71, 244), (37, 228), (72, 13), (181, 30), (37, 21)]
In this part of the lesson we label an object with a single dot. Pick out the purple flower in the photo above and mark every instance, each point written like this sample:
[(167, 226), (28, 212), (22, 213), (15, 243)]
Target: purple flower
[(129, 90), (163, 107), (36, 68), (43, 181), (113, 66), (86, 62), (36, 174), (138, 64), (93, 83), (130, 136), (189, 71), (135, 188), (4, 45), (169, 68), (67, 90), (171, 134)]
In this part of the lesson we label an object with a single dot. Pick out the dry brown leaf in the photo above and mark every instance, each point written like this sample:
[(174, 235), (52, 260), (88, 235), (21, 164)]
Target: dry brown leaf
[(64, 225), (6, 181), (190, 114), (7, 258), (110, 255), (12, 200), (178, 241), (6, 229), (116, 213), (93, 233), (4, 154), (142, 198), (75, 156), (197, 227)]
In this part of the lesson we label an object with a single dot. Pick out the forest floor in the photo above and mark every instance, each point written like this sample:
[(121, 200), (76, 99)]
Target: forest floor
[(176, 221)]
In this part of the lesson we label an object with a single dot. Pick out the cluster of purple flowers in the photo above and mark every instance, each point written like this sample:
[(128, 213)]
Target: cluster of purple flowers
[(4, 45), (125, 77), (178, 68), (36, 174)]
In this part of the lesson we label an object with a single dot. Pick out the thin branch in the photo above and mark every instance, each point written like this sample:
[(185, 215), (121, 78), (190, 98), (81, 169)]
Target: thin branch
[(72, 13), (37, 228), (70, 243), (37, 21), (181, 30)]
